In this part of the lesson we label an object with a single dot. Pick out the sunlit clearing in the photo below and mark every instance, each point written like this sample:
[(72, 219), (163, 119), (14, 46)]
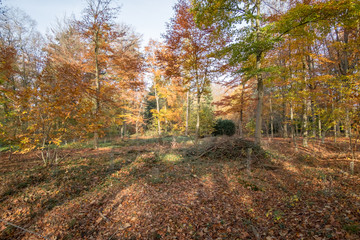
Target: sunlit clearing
[(171, 157), (288, 166)]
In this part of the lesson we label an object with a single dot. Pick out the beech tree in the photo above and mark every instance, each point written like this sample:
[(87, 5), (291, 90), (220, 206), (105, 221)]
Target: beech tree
[(238, 103), (20, 66), (243, 20), (303, 60), (63, 106), (328, 61), (97, 27), (192, 46), (109, 64)]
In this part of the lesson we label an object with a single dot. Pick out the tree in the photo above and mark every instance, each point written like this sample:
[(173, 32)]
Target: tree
[(250, 40), (124, 83), (238, 103), (60, 104), (97, 29), (327, 61), (192, 46), (89, 75), (157, 77), (113, 59), (8, 96), (21, 54)]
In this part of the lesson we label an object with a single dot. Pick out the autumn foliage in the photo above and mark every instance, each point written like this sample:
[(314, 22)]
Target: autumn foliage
[(103, 136)]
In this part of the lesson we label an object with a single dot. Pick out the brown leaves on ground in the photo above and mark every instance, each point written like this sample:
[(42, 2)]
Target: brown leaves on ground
[(148, 191)]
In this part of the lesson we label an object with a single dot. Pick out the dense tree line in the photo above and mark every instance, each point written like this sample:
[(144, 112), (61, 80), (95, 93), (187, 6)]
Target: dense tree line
[(302, 59), (291, 69)]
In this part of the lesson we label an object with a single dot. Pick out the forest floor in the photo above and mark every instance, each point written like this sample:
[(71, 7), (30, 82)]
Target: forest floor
[(173, 189)]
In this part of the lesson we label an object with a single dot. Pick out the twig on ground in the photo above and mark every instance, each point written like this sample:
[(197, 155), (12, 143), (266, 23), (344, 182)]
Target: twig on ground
[(11, 224), (113, 234), (104, 217)]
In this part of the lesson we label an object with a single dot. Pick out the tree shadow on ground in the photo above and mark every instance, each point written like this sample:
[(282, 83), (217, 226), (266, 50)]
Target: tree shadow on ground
[(41, 190), (162, 194)]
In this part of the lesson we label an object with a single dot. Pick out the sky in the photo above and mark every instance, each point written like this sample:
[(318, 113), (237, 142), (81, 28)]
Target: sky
[(147, 17)]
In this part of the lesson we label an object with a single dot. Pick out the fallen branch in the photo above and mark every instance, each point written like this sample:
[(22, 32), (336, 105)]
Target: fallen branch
[(11, 224), (206, 151), (103, 216)]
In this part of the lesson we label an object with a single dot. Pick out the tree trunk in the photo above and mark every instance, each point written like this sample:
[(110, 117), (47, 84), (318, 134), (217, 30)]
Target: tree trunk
[(285, 134), (305, 131), (242, 111), (335, 123), (197, 132), (313, 120), (187, 113), (260, 84), (97, 86), (158, 112), (138, 118), (258, 126), (271, 119), (166, 121), (122, 132), (240, 123), (305, 125), (293, 135), (347, 124), (319, 126)]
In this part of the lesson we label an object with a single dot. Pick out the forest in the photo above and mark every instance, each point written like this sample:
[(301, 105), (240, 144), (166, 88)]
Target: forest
[(242, 122)]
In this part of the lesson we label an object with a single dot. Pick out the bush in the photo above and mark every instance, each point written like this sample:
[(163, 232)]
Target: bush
[(224, 127)]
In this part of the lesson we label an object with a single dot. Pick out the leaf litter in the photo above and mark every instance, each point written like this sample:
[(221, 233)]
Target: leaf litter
[(205, 193)]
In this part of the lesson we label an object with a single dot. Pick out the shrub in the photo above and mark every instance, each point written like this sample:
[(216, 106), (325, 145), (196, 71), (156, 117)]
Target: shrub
[(224, 127)]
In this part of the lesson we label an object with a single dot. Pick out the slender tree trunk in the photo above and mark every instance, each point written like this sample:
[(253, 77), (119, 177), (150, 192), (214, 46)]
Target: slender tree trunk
[(285, 135), (97, 86), (305, 131), (305, 125), (313, 120), (347, 124), (166, 121), (187, 113), (319, 126), (240, 123), (197, 133), (241, 111), (158, 112), (293, 135), (259, 111), (260, 84), (138, 118), (122, 131), (335, 124), (271, 119)]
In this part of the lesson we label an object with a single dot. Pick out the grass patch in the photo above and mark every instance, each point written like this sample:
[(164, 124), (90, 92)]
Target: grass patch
[(171, 158), (4, 149), (352, 228)]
